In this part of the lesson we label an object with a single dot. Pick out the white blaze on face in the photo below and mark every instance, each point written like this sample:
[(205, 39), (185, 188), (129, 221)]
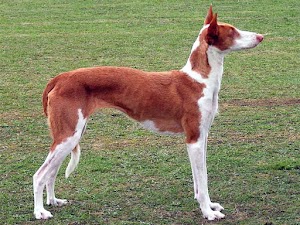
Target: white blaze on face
[(246, 40)]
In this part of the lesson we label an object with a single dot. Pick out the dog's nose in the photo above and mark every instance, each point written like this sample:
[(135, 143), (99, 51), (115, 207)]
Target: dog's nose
[(259, 37)]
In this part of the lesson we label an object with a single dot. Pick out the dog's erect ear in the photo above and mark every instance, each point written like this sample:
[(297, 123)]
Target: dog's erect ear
[(212, 31), (209, 16)]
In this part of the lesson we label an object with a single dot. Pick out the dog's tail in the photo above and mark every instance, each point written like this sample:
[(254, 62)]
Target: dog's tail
[(48, 88), (75, 156)]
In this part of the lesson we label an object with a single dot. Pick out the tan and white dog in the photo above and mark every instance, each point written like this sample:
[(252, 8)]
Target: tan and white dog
[(179, 101)]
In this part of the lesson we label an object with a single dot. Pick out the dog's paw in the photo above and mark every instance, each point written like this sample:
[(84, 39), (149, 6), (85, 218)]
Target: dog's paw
[(57, 202), (212, 215), (42, 214), (216, 206)]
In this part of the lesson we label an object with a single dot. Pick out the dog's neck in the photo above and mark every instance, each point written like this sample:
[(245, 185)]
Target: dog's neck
[(205, 63), (215, 60)]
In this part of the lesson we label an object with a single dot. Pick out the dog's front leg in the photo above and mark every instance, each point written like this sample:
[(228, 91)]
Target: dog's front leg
[(197, 156)]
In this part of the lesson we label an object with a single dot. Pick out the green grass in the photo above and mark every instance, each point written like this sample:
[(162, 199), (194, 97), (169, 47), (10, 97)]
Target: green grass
[(128, 175)]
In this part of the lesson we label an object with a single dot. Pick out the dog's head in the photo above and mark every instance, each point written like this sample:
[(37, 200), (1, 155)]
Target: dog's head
[(226, 37)]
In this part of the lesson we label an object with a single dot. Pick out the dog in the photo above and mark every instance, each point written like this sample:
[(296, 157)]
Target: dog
[(178, 101)]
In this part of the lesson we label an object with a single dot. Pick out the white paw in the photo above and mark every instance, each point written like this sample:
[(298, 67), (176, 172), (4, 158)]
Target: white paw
[(216, 206), (42, 214), (57, 202), (212, 215)]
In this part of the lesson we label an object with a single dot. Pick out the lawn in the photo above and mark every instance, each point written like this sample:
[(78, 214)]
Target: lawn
[(131, 176)]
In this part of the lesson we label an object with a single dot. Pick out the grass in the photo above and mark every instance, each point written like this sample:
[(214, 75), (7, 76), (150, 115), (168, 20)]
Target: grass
[(128, 175)]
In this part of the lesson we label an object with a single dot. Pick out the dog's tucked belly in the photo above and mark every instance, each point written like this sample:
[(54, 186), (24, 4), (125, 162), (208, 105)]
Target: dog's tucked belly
[(164, 127)]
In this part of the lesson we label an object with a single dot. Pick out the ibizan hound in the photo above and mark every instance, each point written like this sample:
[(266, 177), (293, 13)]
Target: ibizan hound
[(178, 101)]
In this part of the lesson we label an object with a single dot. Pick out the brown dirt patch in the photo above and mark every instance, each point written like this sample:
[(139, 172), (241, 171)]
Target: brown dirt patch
[(262, 102)]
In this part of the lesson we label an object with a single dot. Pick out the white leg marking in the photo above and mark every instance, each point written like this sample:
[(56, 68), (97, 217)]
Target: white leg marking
[(46, 174), (38, 187), (197, 157), (51, 200)]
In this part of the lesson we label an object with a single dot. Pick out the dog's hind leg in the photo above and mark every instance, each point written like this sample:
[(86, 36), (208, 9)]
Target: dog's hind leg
[(47, 172), (46, 175), (51, 199), (39, 180)]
